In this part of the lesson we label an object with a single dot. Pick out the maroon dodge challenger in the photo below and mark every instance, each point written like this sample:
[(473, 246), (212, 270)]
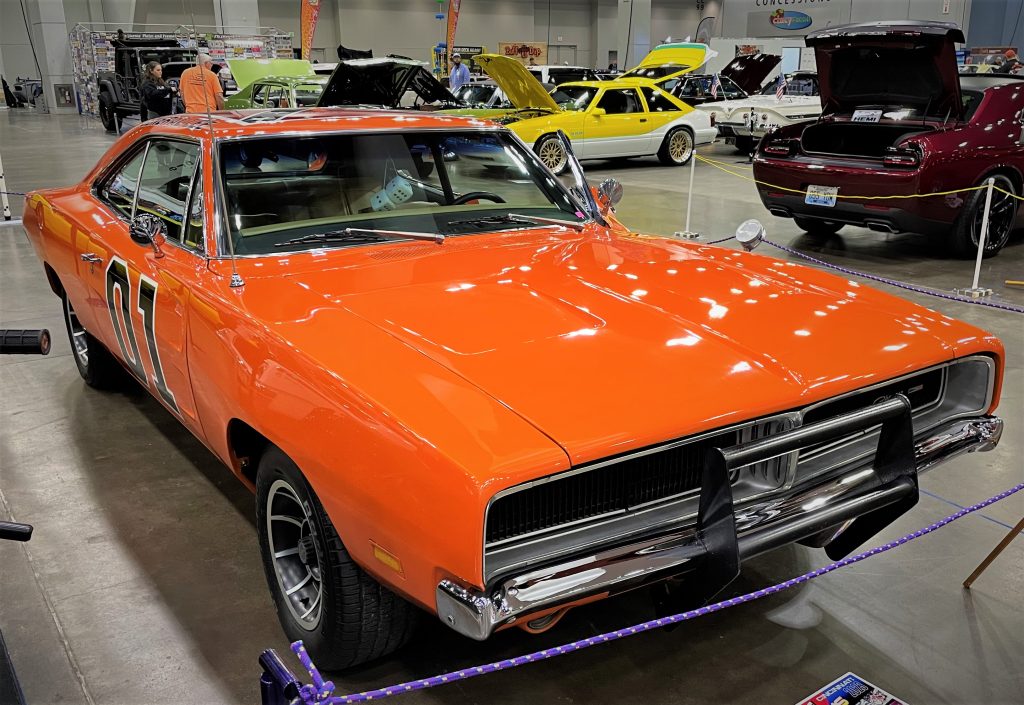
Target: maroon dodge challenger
[(898, 119)]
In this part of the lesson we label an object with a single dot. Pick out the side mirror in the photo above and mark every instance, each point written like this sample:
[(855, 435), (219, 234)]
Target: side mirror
[(609, 193), (146, 229), (598, 112)]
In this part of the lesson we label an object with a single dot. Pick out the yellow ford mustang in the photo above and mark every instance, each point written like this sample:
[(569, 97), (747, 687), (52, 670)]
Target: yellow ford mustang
[(627, 117)]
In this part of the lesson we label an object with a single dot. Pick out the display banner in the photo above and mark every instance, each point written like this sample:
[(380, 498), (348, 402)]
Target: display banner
[(310, 14), (782, 18), (851, 689), (453, 21), (525, 51)]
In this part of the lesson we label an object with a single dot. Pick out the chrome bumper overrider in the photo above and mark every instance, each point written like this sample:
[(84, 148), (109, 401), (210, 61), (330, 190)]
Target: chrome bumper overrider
[(802, 512)]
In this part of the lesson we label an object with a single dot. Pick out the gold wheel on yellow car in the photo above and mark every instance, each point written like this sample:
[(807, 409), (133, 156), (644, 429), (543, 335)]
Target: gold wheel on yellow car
[(552, 153), (677, 148)]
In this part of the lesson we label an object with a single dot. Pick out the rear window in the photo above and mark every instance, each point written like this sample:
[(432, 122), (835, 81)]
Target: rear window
[(971, 101)]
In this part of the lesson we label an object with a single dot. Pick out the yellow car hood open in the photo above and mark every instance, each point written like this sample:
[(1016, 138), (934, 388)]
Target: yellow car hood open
[(688, 54), (245, 71), (522, 88)]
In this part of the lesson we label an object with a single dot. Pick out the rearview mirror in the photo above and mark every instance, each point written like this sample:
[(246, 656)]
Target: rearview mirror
[(609, 193), (598, 112), (146, 229)]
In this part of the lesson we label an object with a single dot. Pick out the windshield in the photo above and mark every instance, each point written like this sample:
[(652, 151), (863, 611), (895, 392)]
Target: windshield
[(795, 85), (476, 93), (573, 97), (281, 189), (656, 72), (307, 95)]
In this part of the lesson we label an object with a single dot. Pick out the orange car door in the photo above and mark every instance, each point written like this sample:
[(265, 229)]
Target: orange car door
[(145, 290)]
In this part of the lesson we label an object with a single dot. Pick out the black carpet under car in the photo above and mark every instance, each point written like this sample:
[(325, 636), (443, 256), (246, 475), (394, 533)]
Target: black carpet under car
[(10, 691)]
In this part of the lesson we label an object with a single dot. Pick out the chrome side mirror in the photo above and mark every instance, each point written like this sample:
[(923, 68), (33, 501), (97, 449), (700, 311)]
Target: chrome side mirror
[(146, 229), (609, 193), (750, 233)]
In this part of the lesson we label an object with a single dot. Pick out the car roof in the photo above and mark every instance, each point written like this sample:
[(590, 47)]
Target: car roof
[(559, 66), (981, 81), (227, 124), (630, 82)]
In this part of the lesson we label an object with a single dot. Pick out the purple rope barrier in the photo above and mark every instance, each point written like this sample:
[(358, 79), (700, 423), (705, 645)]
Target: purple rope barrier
[(14, 193), (893, 282), (321, 691)]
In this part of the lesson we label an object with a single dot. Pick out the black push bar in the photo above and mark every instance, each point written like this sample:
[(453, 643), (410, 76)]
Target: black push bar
[(10, 531)]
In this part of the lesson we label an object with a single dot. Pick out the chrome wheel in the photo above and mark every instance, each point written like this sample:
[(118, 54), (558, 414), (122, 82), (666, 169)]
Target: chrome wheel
[(79, 339), (1001, 216), (680, 146), (552, 153), (295, 552)]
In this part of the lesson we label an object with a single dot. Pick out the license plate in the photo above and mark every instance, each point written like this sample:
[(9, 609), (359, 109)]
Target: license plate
[(821, 195)]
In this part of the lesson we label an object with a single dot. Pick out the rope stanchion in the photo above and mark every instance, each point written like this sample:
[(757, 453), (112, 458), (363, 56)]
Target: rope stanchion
[(321, 691), (896, 283)]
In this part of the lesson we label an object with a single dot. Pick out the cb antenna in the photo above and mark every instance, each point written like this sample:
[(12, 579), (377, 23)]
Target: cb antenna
[(236, 279)]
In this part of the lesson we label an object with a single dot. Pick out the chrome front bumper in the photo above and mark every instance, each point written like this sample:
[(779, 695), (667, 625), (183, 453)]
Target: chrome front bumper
[(804, 511)]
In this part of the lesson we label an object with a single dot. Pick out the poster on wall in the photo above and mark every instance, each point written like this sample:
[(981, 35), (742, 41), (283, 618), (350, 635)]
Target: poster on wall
[(526, 52), (749, 49)]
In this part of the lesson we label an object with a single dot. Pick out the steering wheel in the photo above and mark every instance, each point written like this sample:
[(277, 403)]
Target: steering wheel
[(474, 195)]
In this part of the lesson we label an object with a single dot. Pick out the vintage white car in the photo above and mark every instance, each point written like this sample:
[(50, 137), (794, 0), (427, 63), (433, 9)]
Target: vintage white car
[(744, 122)]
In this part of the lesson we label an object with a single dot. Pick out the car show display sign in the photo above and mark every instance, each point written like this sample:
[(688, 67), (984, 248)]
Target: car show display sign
[(525, 51), (851, 689), (781, 18)]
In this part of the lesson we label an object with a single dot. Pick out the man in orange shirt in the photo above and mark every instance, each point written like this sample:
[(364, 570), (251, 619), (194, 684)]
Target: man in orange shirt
[(200, 87)]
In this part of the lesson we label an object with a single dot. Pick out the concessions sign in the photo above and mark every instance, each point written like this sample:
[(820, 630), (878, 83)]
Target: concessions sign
[(851, 690), (525, 51)]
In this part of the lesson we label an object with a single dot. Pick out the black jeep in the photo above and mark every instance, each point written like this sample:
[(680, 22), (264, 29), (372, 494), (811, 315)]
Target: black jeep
[(119, 94)]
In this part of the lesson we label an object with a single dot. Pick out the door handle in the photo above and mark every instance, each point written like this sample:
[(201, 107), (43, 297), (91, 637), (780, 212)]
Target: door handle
[(643, 119), (91, 258)]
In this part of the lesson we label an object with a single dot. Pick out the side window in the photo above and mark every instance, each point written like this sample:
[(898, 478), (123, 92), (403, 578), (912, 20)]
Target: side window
[(119, 190), (165, 183), (538, 75), (620, 101), (277, 97), (194, 230), (259, 95), (730, 89), (657, 102)]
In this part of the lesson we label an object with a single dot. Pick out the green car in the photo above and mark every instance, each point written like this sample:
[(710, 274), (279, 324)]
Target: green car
[(274, 83)]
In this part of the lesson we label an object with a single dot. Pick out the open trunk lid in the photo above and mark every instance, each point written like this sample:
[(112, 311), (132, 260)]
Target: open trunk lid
[(749, 71), (670, 60), (522, 87), (906, 64), (383, 82)]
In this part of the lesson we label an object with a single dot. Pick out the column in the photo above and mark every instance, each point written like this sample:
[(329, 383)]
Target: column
[(237, 16), (634, 25), (50, 35)]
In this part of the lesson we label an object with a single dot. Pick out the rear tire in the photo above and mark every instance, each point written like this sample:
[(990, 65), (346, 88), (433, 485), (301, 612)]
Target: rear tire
[(343, 616), (818, 228), (677, 147), (97, 366), (108, 114), (962, 240), (550, 150)]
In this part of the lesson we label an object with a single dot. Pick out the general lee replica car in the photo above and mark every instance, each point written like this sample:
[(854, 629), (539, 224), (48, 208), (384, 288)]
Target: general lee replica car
[(900, 121), (473, 391)]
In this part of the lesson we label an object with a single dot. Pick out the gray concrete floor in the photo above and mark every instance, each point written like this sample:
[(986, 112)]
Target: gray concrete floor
[(142, 583)]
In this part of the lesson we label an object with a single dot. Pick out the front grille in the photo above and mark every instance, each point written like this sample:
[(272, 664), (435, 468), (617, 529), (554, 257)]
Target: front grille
[(615, 487)]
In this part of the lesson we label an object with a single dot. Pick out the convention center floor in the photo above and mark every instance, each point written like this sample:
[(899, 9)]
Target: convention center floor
[(143, 582)]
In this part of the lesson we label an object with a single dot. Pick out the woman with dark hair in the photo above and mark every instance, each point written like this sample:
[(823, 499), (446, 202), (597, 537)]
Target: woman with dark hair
[(156, 95)]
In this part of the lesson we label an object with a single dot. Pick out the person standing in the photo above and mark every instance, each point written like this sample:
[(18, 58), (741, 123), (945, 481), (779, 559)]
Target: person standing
[(200, 87), (459, 75), (157, 96), (1011, 63)]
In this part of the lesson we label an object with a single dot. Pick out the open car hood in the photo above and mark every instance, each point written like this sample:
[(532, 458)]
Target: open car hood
[(383, 82), (246, 71), (901, 63), (676, 59), (748, 72), (520, 86)]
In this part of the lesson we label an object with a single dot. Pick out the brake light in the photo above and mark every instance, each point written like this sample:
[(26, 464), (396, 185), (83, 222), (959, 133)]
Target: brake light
[(901, 157), (779, 148)]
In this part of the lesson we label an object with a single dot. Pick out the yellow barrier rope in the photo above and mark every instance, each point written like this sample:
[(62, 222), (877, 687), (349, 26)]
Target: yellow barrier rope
[(722, 166)]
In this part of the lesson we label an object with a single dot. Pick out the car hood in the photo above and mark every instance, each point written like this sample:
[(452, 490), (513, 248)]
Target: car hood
[(910, 64), (247, 71), (748, 72), (606, 345), (382, 82), (521, 87), (687, 56)]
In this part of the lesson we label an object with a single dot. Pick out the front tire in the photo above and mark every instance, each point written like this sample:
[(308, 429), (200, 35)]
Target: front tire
[(551, 151), (677, 147), (818, 228), (963, 237), (97, 366), (108, 114), (343, 616)]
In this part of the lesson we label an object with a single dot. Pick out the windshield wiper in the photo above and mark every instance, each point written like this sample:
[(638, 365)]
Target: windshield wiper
[(516, 219), (361, 235)]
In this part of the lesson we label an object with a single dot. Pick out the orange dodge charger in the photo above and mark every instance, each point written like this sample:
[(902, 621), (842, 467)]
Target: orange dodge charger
[(457, 385)]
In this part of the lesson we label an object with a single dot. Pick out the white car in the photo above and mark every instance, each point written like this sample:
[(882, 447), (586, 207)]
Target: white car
[(745, 121), (558, 75)]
